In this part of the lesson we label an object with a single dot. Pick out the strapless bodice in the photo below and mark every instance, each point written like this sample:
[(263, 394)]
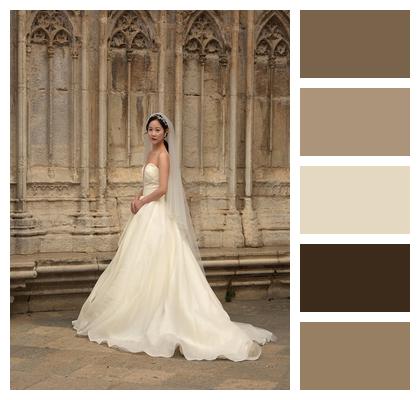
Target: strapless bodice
[(150, 178)]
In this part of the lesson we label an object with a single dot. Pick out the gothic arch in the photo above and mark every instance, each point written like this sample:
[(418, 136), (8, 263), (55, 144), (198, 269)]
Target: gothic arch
[(272, 37), (203, 35), (205, 53), (51, 27), (132, 30), (133, 73), (271, 58), (52, 90), (281, 16)]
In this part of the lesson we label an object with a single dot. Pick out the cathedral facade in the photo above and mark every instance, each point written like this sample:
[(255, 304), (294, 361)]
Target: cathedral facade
[(82, 85)]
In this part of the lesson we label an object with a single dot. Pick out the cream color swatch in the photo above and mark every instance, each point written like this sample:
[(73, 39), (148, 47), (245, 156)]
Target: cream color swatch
[(355, 199)]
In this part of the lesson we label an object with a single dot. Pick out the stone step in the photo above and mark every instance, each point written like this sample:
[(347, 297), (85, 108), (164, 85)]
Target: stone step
[(51, 276)]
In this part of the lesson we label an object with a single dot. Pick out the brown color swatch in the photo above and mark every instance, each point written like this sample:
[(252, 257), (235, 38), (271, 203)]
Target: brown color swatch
[(355, 122), (355, 43), (354, 355), (355, 277)]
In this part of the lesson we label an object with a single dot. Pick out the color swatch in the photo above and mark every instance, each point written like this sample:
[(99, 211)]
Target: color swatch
[(355, 355), (354, 277), (355, 43), (361, 194), (355, 122), (356, 199)]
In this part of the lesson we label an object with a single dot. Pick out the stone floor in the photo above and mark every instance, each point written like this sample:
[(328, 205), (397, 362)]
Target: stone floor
[(46, 354)]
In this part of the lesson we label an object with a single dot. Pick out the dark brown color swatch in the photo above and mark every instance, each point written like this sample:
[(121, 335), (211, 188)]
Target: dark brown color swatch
[(355, 355), (354, 277), (355, 43), (355, 122)]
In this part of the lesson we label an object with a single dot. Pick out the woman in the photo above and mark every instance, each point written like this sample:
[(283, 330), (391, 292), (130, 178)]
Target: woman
[(153, 297)]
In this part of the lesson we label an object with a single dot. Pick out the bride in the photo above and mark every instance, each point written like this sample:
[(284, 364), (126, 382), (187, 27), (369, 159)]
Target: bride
[(154, 297)]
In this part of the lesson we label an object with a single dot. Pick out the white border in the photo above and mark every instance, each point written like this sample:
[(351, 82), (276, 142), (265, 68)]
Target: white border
[(296, 161)]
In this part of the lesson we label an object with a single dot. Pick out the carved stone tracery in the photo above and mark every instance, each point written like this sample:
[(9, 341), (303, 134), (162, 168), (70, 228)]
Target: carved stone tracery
[(272, 43), (204, 42), (49, 188), (272, 52), (51, 28), (203, 39), (133, 33), (129, 32)]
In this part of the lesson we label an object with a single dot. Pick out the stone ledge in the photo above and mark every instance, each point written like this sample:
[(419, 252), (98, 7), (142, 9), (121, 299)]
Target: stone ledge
[(206, 253), (51, 281)]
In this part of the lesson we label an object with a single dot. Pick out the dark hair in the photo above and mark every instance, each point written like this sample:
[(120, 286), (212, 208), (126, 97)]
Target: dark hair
[(166, 145), (157, 117), (163, 123)]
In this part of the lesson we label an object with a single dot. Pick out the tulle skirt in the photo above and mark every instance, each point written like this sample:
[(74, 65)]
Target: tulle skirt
[(153, 298)]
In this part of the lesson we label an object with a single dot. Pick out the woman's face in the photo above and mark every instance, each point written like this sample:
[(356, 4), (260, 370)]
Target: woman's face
[(155, 131)]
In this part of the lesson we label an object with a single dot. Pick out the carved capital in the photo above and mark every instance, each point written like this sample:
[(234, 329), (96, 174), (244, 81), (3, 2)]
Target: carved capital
[(129, 54), (202, 59), (50, 51), (223, 60), (76, 47)]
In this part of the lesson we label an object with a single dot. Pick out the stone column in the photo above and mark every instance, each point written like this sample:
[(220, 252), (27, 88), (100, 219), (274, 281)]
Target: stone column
[(249, 102), (75, 96), (162, 62), (97, 226), (102, 110), (22, 115), (129, 55), (232, 181), (223, 65), (50, 108), (179, 67), (24, 230), (84, 143), (202, 60), (249, 218), (233, 237), (271, 66)]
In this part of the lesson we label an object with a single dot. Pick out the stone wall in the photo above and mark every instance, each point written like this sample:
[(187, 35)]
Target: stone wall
[(82, 84)]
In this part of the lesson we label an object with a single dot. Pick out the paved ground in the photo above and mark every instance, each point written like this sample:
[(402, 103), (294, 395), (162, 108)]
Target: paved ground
[(46, 354)]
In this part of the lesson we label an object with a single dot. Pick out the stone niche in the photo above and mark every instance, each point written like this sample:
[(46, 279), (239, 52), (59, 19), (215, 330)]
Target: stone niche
[(82, 85)]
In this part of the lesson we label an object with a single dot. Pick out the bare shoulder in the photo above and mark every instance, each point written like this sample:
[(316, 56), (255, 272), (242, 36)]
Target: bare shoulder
[(164, 156), (164, 159)]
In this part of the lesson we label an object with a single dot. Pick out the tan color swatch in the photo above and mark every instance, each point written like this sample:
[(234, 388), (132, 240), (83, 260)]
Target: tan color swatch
[(355, 122), (356, 199), (355, 43), (355, 355)]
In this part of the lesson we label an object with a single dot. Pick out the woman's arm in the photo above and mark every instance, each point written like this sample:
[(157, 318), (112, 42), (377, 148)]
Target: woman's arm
[(163, 181), (140, 194)]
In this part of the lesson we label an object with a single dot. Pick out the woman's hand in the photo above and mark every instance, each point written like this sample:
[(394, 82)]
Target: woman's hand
[(136, 204)]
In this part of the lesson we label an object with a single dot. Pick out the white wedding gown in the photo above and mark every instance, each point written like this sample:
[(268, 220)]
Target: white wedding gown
[(153, 296)]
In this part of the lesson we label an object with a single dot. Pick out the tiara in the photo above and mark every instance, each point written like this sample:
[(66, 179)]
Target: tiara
[(160, 118)]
